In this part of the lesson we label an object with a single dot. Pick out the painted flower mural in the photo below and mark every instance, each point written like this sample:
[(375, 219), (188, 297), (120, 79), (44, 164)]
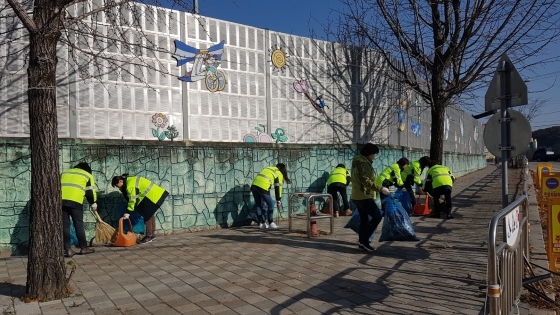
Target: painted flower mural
[(160, 121)]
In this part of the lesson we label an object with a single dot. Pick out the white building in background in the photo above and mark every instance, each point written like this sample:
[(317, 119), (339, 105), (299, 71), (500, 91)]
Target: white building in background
[(259, 96)]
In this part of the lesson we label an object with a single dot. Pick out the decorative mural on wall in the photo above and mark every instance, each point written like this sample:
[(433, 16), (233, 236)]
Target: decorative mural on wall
[(302, 86), (279, 59), (205, 64), (415, 127), (160, 120), (279, 135), (401, 114)]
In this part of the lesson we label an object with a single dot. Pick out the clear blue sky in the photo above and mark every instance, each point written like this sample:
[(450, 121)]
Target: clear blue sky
[(298, 17)]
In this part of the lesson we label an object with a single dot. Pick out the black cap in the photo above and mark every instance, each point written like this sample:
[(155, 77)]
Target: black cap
[(83, 166), (369, 149)]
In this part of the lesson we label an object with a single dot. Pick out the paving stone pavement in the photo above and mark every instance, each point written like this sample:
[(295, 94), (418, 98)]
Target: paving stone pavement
[(248, 271)]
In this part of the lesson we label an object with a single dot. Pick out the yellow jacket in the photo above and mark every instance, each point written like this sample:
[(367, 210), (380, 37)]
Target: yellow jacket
[(268, 177), (391, 173), (138, 188), (75, 185)]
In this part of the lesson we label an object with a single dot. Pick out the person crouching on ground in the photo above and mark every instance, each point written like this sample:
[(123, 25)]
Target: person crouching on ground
[(391, 175), (76, 183), (439, 181), (363, 195), (337, 183), (144, 198), (260, 188), (411, 175)]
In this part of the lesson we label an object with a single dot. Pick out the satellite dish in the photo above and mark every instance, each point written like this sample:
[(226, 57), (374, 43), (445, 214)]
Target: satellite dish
[(520, 133)]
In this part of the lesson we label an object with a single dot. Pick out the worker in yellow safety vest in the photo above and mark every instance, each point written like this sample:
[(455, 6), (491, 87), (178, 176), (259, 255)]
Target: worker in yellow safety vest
[(144, 198), (439, 181), (77, 183), (336, 184), (411, 175), (272, 176), (391, 175)]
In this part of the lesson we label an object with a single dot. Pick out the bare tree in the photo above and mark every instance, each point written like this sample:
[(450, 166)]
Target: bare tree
[(533, 109), (442, 49), (352, 81), (108, 34)]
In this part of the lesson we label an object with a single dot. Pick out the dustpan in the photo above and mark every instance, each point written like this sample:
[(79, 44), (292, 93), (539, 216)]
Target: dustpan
[(422, 207), (125, 240)]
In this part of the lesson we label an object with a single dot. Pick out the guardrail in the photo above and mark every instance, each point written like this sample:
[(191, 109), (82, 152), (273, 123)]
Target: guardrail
[(506, 259)]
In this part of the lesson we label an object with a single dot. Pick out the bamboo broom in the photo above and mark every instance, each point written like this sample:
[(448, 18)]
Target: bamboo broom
[(104, 232)]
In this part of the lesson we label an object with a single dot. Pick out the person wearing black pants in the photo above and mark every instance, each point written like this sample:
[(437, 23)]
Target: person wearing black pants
[(337, 183), (411, 175), (363, 195), (77, 184), (439, 181)]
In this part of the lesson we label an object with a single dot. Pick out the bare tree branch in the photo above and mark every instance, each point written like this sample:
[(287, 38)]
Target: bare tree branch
[(23, 16)]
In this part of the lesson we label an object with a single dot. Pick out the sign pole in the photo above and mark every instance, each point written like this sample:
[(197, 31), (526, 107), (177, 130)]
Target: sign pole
[(505, 100)]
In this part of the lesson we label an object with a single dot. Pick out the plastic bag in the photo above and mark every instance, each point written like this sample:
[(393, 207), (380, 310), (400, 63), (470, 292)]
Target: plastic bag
[(354, 223), (396, 225), (404, 198)]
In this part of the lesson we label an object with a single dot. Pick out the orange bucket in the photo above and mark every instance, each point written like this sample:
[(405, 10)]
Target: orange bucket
[(125, 240)]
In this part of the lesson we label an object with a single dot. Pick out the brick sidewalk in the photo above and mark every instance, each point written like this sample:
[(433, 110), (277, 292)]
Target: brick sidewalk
[(247, 271)]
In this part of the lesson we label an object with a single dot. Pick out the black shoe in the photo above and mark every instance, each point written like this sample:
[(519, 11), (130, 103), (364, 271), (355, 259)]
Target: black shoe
[(360, 246), (147, 239), (366, 247), (87, 250), (69, 253), (449, 216)]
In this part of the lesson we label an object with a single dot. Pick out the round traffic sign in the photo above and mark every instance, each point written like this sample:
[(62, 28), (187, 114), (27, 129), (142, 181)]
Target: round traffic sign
[(520, 133), (552, 183)]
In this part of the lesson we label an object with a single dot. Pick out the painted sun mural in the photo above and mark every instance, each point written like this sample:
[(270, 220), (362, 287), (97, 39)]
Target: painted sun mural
[(279, 59)]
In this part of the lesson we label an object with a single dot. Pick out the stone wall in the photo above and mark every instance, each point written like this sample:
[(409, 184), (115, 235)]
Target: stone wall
[(208, 182)]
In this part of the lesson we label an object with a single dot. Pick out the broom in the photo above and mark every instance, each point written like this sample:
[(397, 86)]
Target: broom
[(104, 232)]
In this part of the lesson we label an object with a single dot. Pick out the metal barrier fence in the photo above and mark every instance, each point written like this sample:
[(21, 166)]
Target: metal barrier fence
[(309, 215), (506, 259)]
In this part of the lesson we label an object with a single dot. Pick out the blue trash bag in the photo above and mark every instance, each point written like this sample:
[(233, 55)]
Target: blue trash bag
[(252, 216), (354, 223), (138, 224), (404, 198), (396, 225), (73, 237)]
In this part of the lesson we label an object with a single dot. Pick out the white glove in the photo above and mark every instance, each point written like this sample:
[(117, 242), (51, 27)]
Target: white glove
[(385, 191), (126, 215), (94, 206)]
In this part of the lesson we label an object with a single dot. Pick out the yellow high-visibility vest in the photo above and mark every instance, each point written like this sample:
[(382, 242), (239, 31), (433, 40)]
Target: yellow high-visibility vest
[(75, 183)]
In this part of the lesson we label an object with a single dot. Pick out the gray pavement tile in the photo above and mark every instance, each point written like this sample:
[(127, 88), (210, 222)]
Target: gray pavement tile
[(290, 274), (162, 308), (248, 309)]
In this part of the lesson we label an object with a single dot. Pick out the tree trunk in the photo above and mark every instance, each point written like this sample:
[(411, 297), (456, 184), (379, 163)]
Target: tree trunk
[(46, 270), (437, 132)]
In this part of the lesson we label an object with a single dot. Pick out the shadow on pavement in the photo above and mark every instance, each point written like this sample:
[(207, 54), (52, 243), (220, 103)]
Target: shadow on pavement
[(12, 290), (351, 294)]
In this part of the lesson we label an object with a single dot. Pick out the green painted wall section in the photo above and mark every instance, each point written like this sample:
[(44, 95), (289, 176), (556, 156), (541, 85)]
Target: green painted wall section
[(208, 182)]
